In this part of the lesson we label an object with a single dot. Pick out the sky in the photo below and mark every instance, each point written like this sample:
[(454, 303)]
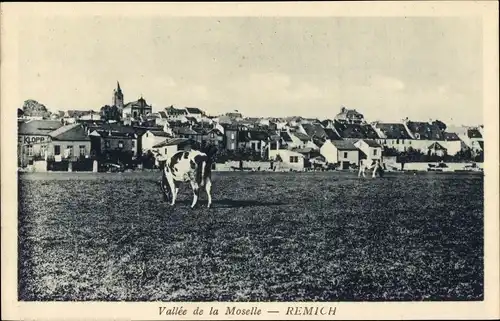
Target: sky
[(387, 68)]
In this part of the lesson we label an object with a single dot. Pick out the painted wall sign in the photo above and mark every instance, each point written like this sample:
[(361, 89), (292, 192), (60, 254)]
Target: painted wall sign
[(27, 139)]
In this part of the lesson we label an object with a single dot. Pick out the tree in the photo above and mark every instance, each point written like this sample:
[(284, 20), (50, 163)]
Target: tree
[(110, 113), (35, 109)]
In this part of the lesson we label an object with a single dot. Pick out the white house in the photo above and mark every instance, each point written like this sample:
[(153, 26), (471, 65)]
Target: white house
[(194, 112), (472, 138), (152, 138), (253, 139), (370, 148), (173, 113), (340, 152), (437, 149), (301, 140), (394, 135), (92, 115), (170, 146), (287, 159)]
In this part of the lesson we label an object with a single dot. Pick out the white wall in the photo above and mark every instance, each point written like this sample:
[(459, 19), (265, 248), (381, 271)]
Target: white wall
[(149, 140), (329, 152), (285, 156), (403, 144), (369, 151)]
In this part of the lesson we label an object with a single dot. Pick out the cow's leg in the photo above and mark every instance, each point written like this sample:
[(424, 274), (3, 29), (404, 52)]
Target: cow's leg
[(360, 170), (375, 169), (176, 189), (208, 188), (196, 191), (173, 188)]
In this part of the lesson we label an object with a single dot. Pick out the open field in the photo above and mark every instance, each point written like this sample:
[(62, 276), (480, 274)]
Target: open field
[(269, 237)]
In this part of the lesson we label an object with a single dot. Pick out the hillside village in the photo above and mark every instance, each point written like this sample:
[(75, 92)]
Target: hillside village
[(126, 133)]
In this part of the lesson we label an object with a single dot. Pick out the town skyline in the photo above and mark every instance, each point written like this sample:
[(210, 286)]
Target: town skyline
[(262, 67)]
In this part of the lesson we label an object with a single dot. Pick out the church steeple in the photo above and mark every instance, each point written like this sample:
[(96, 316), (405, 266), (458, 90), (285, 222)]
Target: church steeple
[(118, 96)]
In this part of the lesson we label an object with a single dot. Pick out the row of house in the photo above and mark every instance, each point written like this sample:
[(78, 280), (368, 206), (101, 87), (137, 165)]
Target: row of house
[(136, 130)]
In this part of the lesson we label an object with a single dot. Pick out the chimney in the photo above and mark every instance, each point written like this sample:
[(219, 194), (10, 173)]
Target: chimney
[(342, 109)]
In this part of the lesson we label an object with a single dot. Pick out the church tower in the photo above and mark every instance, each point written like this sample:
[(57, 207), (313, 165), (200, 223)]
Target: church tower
[(118, 96)]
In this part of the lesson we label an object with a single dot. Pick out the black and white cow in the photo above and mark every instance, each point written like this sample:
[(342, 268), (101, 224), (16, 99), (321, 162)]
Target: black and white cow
[(187, 166)]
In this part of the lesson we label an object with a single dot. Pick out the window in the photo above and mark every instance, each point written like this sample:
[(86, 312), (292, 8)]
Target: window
[(30, 150), (294, 159), (375, 152), (402, 141), (259, 145), (345, 154), (133, 143), (82, 150), (43, 149), (70, 150), (57, 150), (397, 141), (409, 142), (165, 151), (212, 135), (232, 145), (232, 135), (106, 144), (120, 144)]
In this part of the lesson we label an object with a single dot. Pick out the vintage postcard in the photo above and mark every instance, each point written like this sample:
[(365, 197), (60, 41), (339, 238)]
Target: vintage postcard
[(277, 161)]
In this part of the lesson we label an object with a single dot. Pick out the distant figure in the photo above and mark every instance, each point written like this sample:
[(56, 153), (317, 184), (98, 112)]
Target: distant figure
[(366, 164)]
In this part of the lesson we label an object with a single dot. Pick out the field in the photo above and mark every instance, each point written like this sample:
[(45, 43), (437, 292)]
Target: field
[(268, 237)]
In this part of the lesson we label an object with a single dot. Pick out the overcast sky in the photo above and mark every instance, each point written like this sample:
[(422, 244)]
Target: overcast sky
[(387, 68)]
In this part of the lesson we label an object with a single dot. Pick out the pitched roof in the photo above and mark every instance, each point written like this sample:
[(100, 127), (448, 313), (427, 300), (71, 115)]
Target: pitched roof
[(425, 130), (175, 111), (162, 114), (194, 110), (451, 136), (246, 136), (371, 143), (393, 130), (171, 142), (286, 137), (331, 134), (73, 132), (344, 145), (139, 102), (481, 143), (38, 127), (192, 119), (314, 130), (301, 136), (185, 131), (159, 133), (355, 130), (305, 150), (474, 133), (436, 146), (114, 128)]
